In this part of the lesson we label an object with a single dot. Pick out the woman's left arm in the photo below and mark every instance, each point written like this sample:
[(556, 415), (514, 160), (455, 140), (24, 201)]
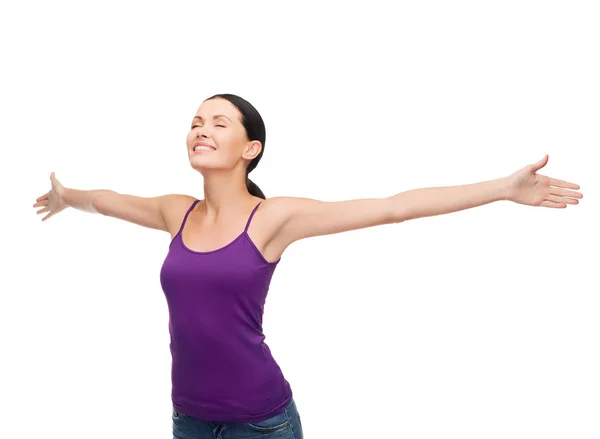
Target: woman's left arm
[(524, 187), (303, 217)]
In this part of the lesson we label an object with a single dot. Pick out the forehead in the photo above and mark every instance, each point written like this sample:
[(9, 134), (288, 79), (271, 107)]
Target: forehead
[(217, 106)]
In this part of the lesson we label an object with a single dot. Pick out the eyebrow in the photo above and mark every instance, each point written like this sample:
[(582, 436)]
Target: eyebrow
[(214, 117)]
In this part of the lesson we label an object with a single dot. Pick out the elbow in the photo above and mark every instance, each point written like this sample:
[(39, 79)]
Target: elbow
[(100, 201), (396, 211)]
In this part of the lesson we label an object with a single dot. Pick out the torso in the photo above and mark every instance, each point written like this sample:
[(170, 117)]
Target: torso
[(205, 238), (222, 368)]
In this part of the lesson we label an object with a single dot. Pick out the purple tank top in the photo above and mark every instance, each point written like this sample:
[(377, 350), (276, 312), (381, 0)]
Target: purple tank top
[(222, 370)]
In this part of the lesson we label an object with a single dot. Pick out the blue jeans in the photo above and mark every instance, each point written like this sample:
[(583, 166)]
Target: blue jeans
[(284, 425)]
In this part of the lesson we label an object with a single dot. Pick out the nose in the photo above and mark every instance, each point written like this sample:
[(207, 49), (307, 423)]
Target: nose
[(201, 132)]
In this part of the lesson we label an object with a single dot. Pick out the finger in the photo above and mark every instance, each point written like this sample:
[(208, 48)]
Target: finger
[(42, 197), (565, 193), (553, 204), (41, 203), (45, 209), (559, 200), (560, 183), (46, 217)]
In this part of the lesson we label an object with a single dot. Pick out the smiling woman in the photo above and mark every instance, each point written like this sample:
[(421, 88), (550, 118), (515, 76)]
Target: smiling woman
[(216, 277), (226, 123)]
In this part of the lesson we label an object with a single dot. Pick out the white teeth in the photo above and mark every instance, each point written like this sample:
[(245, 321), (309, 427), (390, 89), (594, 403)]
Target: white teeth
[(204, 148)]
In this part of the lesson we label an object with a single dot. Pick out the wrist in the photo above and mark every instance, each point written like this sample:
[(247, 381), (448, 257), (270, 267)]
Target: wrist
[(63, 195), (504, 189)]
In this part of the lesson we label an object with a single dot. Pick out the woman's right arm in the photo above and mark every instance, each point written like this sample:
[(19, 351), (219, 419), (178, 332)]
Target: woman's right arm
[(144, 211), (162, 213)]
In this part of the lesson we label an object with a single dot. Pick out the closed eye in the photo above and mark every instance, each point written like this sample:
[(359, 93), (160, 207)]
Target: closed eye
[(222, 126)]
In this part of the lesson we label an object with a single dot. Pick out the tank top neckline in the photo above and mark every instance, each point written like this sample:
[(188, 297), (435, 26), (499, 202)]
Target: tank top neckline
[(210, 251), (237, 238)]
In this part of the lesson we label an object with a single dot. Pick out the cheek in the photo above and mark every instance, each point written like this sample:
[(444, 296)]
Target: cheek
[(224, 139)]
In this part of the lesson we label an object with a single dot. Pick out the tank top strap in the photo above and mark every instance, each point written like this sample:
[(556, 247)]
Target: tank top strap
[(250, 218), (186, 215)]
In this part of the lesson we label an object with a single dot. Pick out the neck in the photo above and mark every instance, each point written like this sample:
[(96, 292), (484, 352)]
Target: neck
[(225, 194)]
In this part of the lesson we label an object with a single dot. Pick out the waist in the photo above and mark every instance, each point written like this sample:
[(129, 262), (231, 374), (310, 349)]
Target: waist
[(226, 385)]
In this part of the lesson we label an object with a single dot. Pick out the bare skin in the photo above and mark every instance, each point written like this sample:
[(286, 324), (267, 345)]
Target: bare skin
[(279, 221)]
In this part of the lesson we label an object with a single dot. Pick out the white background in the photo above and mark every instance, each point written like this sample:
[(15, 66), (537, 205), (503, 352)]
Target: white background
[(478, 324)]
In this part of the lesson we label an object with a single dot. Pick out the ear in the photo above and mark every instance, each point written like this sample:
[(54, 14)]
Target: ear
[(252, 150)]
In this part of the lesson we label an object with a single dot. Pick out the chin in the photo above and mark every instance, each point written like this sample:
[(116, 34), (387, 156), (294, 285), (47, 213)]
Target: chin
[(200, 165)]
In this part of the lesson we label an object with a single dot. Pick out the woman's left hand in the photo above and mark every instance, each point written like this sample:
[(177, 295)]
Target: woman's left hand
[(527, 187)]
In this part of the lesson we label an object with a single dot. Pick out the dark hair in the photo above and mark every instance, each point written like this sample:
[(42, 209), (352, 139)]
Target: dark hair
[(255, 130)]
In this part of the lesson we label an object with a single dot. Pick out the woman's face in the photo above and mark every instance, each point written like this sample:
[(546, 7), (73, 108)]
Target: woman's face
[(218, 124)]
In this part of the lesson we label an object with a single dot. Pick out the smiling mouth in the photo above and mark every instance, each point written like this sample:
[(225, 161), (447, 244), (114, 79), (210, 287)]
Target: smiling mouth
[(202, 148)]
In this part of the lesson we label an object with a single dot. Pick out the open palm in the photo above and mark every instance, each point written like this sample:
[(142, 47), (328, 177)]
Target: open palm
[(51, 201), (532, 189)]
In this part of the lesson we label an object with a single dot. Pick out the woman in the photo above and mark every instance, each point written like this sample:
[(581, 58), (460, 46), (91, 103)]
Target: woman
[(223, 253)]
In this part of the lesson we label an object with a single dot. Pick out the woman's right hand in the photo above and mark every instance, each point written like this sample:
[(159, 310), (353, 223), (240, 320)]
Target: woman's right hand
[(52, 201)]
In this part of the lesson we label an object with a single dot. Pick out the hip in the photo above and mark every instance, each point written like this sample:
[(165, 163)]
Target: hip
[(285, 424)]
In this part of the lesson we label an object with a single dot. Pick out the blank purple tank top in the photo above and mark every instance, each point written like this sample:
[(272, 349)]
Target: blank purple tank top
[(222, 370)]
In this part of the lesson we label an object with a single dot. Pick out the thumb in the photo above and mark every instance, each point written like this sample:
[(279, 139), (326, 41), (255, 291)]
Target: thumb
[(53, 179), (539, 165)]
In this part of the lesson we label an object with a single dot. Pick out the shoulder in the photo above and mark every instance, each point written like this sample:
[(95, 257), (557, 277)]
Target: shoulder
[(274, 214), (173, 208), (172, 202), (284, 207), (276, 209)]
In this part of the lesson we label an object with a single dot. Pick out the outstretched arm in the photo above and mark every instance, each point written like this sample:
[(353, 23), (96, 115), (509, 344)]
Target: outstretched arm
[(523, 187), (152, 212), (303, 217)]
